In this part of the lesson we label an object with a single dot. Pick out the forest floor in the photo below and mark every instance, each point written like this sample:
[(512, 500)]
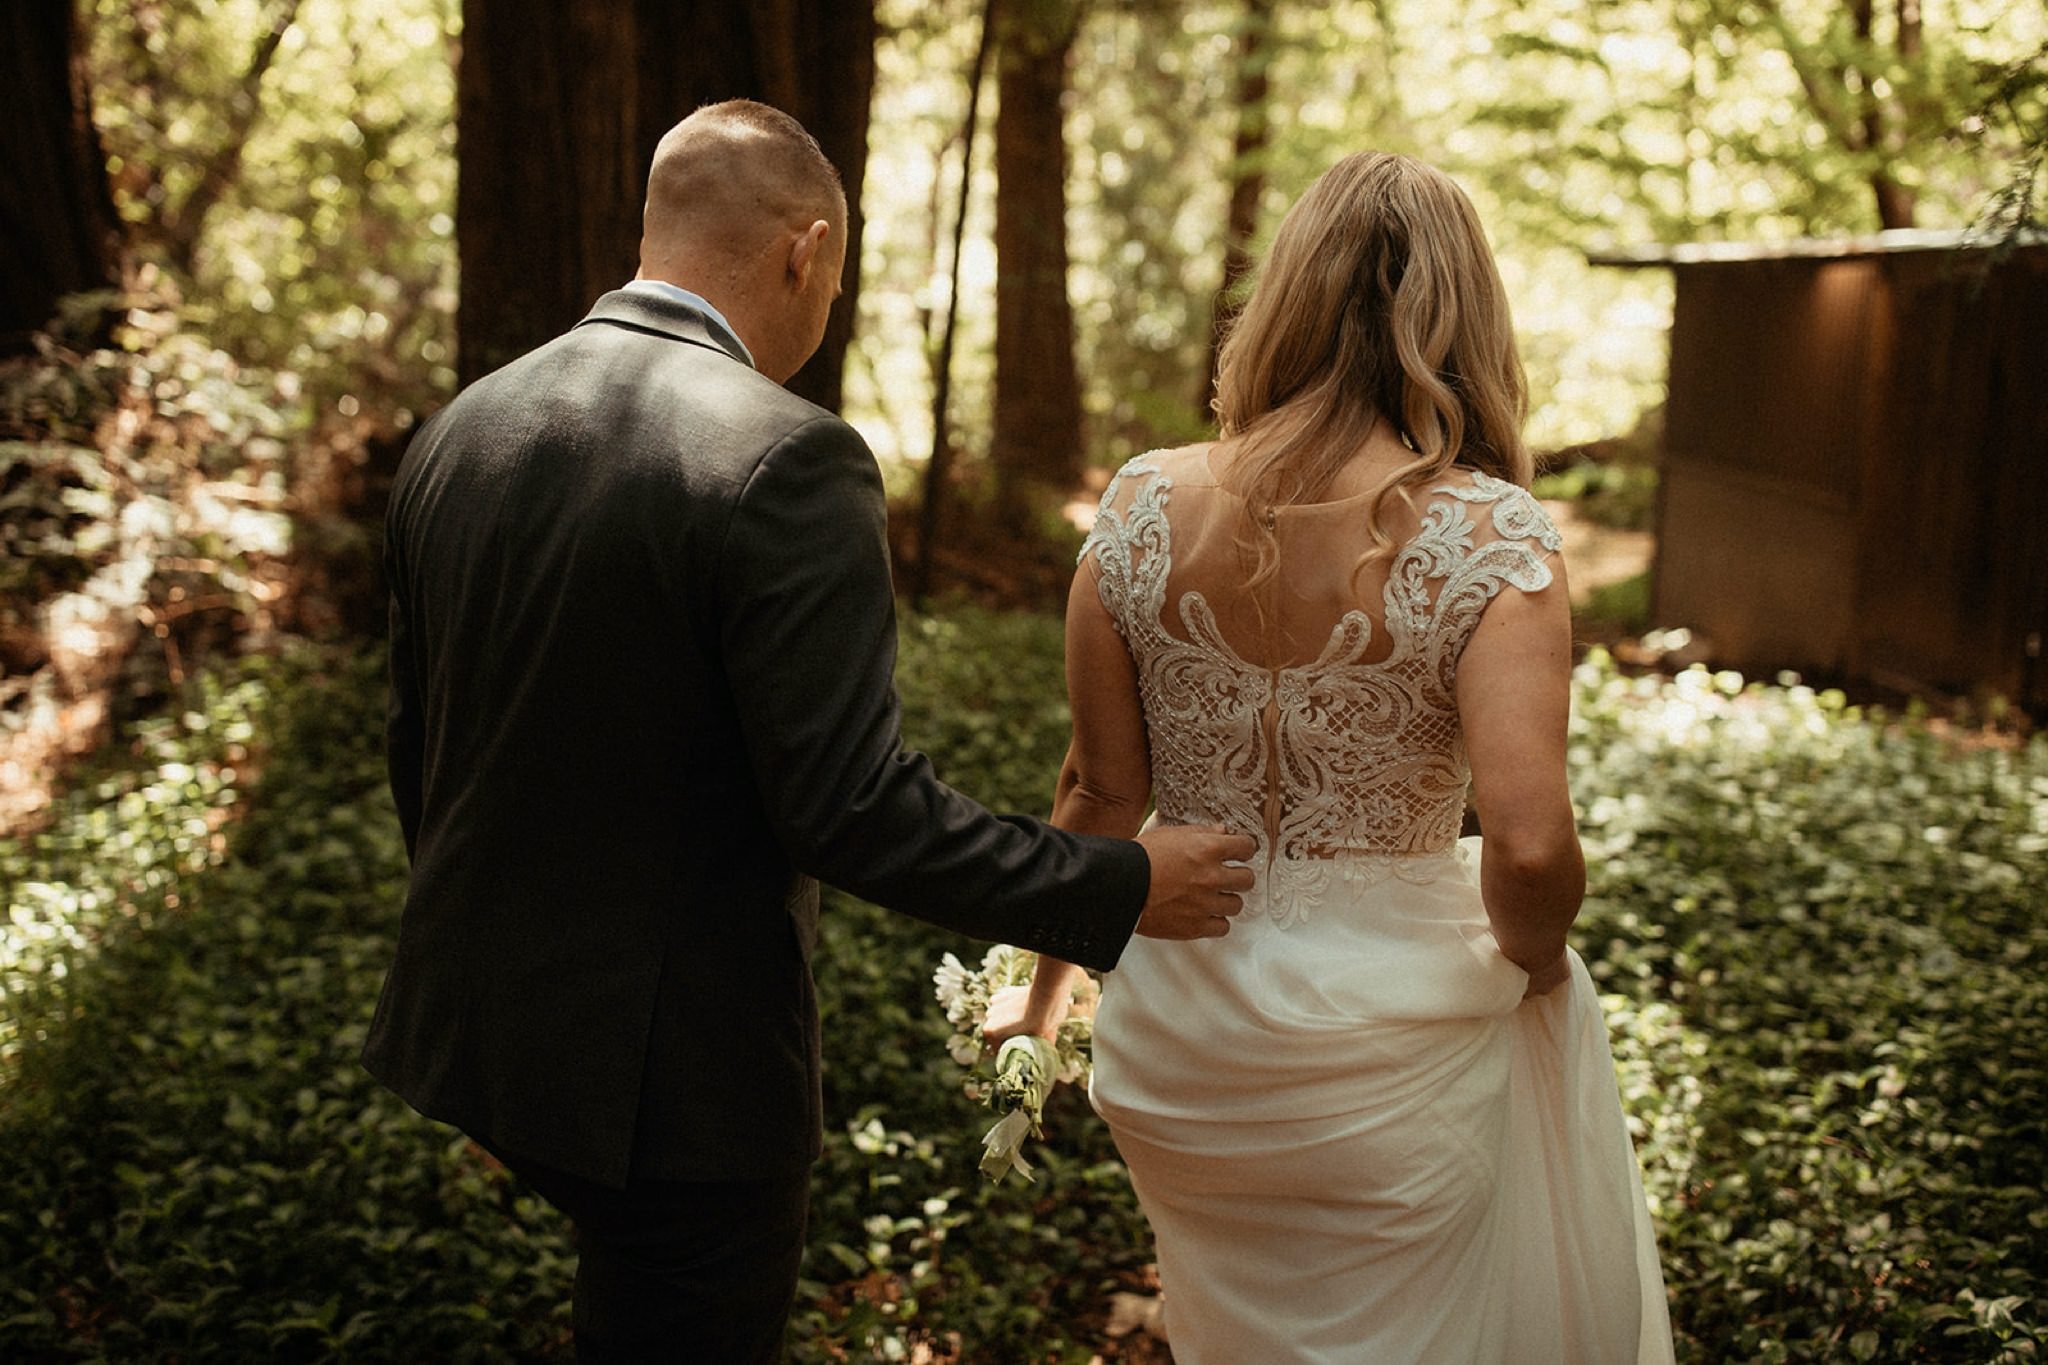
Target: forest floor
[(1598, 556), (1815, 932)]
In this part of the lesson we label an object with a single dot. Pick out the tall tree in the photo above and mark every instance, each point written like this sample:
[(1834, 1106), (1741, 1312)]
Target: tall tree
[(560, 108), (812, 59), (1868, 91), (1247, 178), (182, 230), (58, 232), (1037, 439), (938, 471), (547, 208)]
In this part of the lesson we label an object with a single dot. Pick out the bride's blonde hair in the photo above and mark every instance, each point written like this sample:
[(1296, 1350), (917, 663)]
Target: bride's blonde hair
[(1379, 300)]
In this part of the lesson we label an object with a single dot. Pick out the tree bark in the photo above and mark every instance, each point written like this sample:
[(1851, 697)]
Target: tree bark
[(812, 59), (1037, 439), (181, 234), (1896, 203), (1247, 180), (58, 231), (559, 119), (547, 210)]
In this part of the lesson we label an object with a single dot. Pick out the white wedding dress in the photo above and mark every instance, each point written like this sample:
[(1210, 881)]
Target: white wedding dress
[(1355, 1143)]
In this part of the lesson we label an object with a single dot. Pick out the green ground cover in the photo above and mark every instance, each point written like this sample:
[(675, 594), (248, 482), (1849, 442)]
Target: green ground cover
[(1822, 936)]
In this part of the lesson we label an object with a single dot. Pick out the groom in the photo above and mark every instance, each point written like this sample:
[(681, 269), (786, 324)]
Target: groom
[(642, 638)]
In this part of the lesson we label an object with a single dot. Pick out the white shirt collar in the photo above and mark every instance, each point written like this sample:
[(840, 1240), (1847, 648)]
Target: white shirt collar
[(662, 289)]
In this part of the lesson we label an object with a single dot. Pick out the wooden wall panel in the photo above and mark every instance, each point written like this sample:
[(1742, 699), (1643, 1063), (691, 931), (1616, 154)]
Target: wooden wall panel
[(1757, 567), (1856, 466), (1768, 368)]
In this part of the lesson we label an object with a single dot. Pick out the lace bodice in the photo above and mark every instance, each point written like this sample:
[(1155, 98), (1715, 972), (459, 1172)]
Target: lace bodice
[(1346, 762)]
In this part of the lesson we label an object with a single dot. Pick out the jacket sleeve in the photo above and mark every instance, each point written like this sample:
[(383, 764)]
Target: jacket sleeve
[(808, 633)]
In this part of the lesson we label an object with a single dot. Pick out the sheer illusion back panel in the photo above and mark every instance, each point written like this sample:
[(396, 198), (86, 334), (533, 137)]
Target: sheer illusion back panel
[(1353, 1137), (1318, 712)]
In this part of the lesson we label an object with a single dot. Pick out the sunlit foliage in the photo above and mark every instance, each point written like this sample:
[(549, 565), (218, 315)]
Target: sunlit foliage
[(303, 202), (1818, 932), (1573, 127), (325, 243)]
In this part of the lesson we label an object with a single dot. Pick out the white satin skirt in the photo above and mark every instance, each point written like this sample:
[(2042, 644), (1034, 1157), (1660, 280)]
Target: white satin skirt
[(1357, 1145)]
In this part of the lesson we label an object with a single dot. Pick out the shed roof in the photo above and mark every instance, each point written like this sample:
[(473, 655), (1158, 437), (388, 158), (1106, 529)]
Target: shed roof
[(1829, 248)]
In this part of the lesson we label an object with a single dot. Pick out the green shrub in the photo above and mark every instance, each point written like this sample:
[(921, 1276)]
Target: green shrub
[(143, 492), (192, 1164), (1819, 932), (1620, 495), (1832, 927), (1623, 605)]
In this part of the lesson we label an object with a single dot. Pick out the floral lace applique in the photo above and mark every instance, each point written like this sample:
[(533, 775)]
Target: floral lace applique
[(1366, 759)]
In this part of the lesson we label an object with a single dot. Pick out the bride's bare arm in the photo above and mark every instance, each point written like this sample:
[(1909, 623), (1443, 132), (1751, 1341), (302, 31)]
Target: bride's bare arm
[(1106, 780), (1514, 699), (1104, 787)]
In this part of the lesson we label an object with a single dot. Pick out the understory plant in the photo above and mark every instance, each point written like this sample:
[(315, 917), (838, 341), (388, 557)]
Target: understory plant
[(1818, 933)]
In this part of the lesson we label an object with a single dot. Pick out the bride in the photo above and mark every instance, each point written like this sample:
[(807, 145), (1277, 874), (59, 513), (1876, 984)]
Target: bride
[(1377, 1121)]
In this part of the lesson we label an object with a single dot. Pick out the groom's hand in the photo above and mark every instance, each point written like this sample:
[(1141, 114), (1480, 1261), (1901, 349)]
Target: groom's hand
[(1194, 890)]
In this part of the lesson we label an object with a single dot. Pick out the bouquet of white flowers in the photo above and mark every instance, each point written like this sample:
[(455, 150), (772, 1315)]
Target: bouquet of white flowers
[(1026, 1067)]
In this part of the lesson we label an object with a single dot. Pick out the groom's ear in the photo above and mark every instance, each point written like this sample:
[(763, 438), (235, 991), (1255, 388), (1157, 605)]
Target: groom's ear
[(804, 252)]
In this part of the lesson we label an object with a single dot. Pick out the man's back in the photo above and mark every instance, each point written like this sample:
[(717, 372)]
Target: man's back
[(584, 810), (642, 645), (642, 656), (556, 536)]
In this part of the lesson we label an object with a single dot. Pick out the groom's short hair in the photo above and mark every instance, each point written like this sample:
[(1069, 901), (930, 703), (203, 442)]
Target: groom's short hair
[(743, 149)]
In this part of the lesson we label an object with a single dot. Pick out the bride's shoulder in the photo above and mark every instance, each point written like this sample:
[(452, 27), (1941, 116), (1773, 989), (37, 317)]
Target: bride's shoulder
[(1514, 511), (1187, 466), (1159, 471)]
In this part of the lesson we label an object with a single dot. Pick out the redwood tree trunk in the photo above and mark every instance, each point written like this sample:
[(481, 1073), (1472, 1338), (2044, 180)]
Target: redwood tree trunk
[(1037, 440), (1247, 180), (560, 108), (58, 232), (1880, 133), (812, 59), (1897, 204), (547, 210)]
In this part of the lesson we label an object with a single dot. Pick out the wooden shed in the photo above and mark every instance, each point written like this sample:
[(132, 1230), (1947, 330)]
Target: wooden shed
[(1855, 462)]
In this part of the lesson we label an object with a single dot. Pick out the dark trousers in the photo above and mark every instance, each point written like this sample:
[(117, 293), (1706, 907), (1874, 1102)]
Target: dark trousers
[(700, 1271)]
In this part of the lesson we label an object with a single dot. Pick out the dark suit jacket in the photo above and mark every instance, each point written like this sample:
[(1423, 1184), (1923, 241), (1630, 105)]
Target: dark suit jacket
[(642, 645)]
